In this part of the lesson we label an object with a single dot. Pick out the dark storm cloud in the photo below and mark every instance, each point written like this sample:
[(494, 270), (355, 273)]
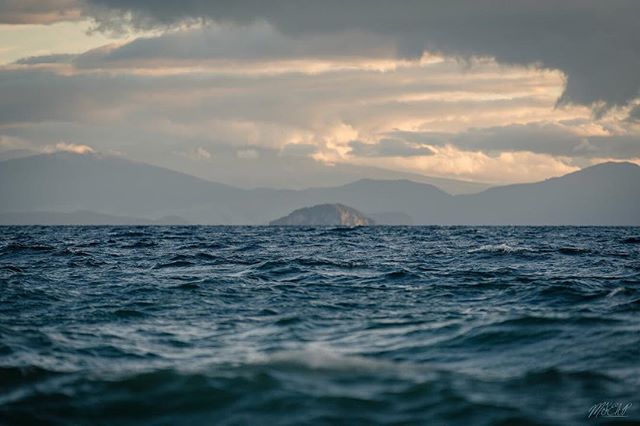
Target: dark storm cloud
[(253, 43), (388, 148), (595, 43)]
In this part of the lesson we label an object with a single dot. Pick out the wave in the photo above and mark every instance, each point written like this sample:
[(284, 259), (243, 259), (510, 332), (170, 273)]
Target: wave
[(318, 390), (631, 240), (126, 233), (572, 251), (188, 286), (25, 247), (340, 230), (12, 268), (502, 248), (141, 244), (174, 264), (322, 357)]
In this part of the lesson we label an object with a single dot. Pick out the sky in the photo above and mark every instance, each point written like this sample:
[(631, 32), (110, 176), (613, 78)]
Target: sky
[(239, 91)]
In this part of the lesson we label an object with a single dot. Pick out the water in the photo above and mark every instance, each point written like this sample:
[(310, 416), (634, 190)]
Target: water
[(260, 325)]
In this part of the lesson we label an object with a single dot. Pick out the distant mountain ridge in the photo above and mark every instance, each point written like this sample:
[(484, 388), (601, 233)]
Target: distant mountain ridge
[(605, 194), (286, 172), (82, 218), (325, 215)]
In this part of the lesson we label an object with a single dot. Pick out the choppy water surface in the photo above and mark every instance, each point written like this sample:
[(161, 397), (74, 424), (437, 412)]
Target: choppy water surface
[(260, 325)]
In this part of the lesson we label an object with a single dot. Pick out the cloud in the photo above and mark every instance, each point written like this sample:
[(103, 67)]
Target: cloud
[(58, 58), (202, 154), (69, 147), (246, 154), (595, 43), (540, 138), (451, 162), (12, 143), (258, 42), (298, 149), (438, 95), (39, 11), (432, 117), (35, 95), (634, 114), (388, 148)]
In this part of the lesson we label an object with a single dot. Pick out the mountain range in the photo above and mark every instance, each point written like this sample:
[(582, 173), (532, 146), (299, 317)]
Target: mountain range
[(39, 188), (270, 170)]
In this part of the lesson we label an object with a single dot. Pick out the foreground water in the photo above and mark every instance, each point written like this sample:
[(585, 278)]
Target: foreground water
[(260, 325)]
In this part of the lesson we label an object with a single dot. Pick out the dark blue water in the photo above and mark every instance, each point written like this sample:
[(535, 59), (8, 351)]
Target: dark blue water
[(259, 325)]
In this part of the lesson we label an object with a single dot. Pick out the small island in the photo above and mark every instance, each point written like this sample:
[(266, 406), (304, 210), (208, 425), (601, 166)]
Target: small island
[(325, 215)]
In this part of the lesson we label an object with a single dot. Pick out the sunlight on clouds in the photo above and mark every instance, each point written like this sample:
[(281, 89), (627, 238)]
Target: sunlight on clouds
[(8, 143), (162, 67), (69, 147), (20, 12), (11, 143), (190, 102), (339, 136), (20, 41), (594, 161), (448, 161), (66, 37)]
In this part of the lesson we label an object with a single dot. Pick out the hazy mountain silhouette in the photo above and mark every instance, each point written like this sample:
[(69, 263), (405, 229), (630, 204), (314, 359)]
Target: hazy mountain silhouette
[(66, 182), (272, 170), (606, 194), (82, 218), (286, 172)]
